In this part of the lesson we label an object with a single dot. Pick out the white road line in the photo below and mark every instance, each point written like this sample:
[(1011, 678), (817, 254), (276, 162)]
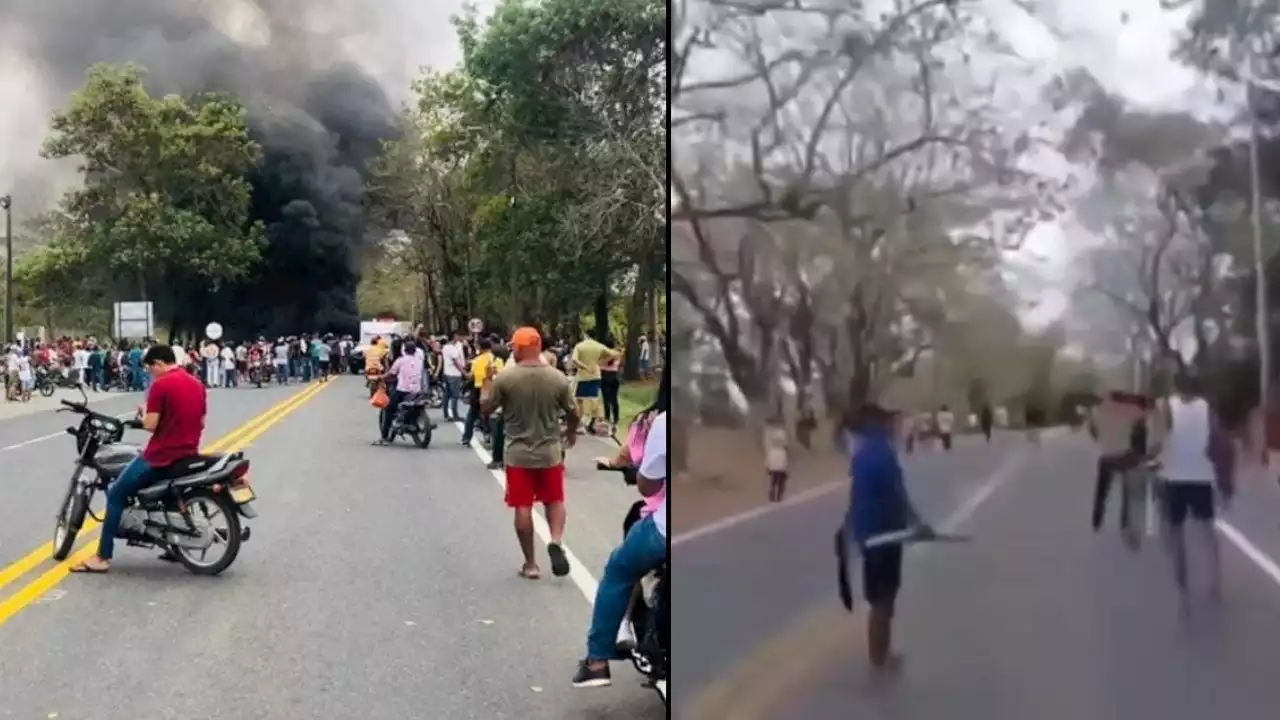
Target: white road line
[(1251, 551), (50, 436), (757, 512), (578, 572)]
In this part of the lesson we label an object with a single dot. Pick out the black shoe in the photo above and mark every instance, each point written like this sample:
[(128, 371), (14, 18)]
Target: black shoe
[(559, 561), (464, 443), (587, 677), (495, 465)]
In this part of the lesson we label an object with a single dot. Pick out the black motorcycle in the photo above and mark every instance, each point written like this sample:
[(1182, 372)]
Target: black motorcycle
[(410, 419), (648, 610), (46, 381), (177, 511)]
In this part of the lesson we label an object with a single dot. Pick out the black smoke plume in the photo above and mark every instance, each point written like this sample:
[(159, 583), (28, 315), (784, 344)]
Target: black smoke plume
[(318, 117)]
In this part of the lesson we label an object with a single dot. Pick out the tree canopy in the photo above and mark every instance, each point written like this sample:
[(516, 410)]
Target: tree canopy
[(165, 198)]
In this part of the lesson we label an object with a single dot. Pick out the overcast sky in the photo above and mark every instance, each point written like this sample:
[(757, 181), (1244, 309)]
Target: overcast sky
[(1132, 59)]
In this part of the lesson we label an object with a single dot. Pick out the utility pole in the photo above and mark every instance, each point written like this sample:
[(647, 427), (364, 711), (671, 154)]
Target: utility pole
[(6, 203)]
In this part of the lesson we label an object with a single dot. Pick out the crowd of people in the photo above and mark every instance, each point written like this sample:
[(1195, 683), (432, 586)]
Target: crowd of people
[(106, 364), (534, 398)]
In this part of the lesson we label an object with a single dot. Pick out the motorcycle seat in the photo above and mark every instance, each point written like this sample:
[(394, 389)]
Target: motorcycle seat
[(185, 466), (414, 400)]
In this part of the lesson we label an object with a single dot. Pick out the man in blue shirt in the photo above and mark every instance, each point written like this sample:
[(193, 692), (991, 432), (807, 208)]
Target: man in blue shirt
[(878, 505)]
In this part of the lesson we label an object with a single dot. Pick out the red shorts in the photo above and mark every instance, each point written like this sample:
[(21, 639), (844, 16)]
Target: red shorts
[(526, 486)]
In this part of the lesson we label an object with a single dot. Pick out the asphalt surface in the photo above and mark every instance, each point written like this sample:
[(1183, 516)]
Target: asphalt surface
[(1035, 617), (380, 582)]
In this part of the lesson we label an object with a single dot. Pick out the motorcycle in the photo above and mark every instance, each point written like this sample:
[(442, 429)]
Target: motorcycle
[(435, 396), (411, 419), (46, 381), (259, 373), (647, 624), (175, 512)]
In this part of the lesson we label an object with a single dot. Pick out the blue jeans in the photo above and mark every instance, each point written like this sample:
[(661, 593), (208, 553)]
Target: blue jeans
[(452, 391), (133, 478), (306, 369), (282, 373), (643, 550)]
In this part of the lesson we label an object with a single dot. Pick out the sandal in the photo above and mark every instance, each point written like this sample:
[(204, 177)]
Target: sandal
[(559, 561), (88, 569), (530, 572)]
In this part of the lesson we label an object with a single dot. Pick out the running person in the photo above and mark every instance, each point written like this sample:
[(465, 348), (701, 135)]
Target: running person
[(1195, 453)]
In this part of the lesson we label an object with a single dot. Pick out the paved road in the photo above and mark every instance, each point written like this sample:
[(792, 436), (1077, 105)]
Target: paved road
[(1037, 617), (379, 583)]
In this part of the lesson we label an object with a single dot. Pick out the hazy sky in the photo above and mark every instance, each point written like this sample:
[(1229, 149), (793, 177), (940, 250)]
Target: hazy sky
[(1131, 59)]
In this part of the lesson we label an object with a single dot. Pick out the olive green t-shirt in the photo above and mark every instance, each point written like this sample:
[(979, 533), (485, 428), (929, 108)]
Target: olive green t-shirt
[(586, 356), (533, 399)]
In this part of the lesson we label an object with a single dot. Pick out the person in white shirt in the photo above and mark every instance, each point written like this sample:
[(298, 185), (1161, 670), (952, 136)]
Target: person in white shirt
[(26, 376), (775, 457), (946, 422), (1189, 457), (228, 367), (455, 367), (644, 549), (80, 364), (282, 361)]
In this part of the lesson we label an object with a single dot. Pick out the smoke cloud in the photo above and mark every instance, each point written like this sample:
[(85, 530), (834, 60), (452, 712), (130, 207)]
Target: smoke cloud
[(322, 79)]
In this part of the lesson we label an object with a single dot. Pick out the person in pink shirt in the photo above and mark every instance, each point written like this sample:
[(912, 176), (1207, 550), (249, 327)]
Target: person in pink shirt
[(407, 372)]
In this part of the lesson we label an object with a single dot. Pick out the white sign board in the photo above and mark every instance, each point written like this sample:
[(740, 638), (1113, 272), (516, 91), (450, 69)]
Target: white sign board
[(133, 321), (213, 331)]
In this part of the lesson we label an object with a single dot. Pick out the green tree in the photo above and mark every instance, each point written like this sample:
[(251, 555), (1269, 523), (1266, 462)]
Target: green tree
[(529, 184), (165, 201)]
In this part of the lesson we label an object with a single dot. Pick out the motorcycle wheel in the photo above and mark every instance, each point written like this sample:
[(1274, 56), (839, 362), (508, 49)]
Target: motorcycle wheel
[(197, 562), (46, 389), (422, 433), (70, 519)]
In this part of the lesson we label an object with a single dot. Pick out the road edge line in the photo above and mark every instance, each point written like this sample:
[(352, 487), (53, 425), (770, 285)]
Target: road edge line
[(578, 573)]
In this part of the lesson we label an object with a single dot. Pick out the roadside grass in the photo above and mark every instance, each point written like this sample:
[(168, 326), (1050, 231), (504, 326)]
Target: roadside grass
[(632, 398)]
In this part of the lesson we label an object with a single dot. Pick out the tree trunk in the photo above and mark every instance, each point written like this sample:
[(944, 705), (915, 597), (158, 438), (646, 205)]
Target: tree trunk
[(602, 312), (655, 347), (635, 311)]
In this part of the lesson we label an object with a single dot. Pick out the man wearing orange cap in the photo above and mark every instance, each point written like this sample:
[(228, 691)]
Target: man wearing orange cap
[(533, 398)]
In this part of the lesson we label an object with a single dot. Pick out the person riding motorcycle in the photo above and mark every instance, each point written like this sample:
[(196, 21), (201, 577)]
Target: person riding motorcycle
[(174, 414), (406, 371), (375, 360), (643, 550)]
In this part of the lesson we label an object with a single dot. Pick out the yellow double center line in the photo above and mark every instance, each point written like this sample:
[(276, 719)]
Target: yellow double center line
[(237, 439)]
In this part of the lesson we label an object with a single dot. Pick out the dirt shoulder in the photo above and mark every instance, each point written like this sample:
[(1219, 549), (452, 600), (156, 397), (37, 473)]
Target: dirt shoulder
[(726, 476)]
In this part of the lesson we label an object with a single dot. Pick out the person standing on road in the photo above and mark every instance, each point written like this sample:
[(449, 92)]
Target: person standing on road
[(533, 399), (97, 361), (80, 364), (878, 504), (174, 414), (1194, 455), (481, 367), (455, 366), (986, 420), (946, 423), (228, 359), (775, 456), (609, 386), (587, 356), (282, 361)]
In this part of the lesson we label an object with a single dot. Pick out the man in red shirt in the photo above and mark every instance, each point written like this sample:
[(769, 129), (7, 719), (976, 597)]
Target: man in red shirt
[(174, 413)]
